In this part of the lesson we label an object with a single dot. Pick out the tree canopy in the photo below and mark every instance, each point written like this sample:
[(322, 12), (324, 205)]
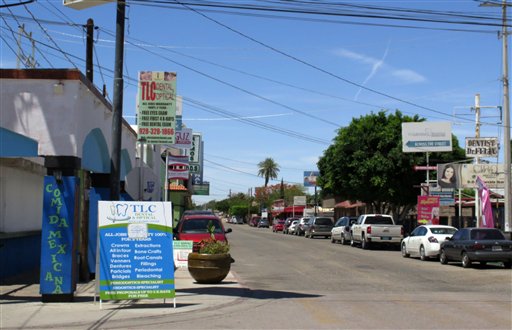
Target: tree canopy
[(366, 163), (268, 169)]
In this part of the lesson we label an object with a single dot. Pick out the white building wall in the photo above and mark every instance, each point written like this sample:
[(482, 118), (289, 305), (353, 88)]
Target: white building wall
[(58, 114), (21, 195)]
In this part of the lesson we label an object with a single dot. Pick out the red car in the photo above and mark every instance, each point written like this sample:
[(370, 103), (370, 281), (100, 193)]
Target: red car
[(278, 225), (195, 228)]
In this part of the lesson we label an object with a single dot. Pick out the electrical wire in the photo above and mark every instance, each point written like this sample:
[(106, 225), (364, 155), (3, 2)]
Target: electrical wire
[(50, 37), (232, 85)]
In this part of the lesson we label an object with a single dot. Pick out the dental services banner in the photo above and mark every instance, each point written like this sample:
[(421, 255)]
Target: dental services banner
[(156, 107), (135, 250)]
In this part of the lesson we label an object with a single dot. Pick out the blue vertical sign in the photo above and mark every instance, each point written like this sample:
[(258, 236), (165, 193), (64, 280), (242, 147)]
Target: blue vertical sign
[(135, 245), (57, 249)]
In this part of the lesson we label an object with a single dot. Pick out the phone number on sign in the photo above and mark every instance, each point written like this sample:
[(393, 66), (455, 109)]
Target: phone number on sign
[(156, 131)]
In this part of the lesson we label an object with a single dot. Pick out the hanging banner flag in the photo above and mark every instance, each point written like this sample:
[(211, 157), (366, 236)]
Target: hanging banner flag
[(156, 107), (485, 198), (177, 167)]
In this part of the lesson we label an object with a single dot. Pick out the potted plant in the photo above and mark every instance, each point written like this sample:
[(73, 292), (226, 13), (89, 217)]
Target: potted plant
[(213, 261)]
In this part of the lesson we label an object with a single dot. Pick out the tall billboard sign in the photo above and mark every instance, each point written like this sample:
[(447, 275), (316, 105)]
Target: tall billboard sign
[(426, 137), (156, 107), (177, 167), (482, 147), (310, 178), (136, 250), (195, 154), (465, 175), (428, 210)]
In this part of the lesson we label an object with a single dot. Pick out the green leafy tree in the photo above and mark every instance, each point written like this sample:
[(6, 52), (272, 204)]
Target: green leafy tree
[(366, 163), (267, 195), (268, 169)]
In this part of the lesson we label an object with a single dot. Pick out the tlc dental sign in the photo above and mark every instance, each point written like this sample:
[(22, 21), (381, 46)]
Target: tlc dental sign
[(482, 147)]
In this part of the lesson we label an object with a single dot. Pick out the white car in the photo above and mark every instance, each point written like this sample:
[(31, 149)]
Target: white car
[(293, 227), (425, 241)]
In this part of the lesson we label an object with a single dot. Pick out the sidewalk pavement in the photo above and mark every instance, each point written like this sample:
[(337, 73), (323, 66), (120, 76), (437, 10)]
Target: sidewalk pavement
[(21, 306)]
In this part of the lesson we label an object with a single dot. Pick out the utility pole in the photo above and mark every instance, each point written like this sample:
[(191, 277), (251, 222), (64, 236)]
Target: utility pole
[(506, 124), (21, 58), (117, 105), (89, 50), (506, 115)]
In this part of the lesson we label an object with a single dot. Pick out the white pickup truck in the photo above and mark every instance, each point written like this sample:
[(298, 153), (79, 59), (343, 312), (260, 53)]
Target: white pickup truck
[(376, 228)]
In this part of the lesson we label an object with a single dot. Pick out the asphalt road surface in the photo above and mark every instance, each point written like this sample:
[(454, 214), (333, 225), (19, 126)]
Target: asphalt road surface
[(297, 283)]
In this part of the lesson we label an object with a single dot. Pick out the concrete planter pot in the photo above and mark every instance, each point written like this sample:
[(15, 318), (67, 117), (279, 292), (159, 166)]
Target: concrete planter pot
[(209, 268)]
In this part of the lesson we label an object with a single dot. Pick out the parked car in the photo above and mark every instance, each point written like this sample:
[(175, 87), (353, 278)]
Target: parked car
[(293, 227), (195, 228), (477, 244), (263, 222), (341, 230), (376, 229), (196, 212), (425, 241), (278, 225), (240, 221), (299, 231), (254, 221), (318, 226), (287, 224)]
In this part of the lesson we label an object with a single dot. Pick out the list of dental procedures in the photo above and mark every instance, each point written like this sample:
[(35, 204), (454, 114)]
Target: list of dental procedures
[(136, 257)]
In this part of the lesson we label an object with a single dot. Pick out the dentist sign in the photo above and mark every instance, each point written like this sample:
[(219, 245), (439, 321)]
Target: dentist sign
[(135, 246)]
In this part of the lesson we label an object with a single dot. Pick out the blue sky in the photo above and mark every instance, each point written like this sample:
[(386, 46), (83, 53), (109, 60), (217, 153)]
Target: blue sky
[(306, 76)]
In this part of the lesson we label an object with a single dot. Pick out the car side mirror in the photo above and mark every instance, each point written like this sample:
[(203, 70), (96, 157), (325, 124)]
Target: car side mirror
[(175, 230), (448, 238), (229, 230), (347, 228)]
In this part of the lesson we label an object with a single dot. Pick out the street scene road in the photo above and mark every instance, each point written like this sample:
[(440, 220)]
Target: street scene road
[(298, 283)]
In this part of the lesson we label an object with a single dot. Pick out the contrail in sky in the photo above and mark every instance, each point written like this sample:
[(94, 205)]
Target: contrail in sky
[(375, 67)]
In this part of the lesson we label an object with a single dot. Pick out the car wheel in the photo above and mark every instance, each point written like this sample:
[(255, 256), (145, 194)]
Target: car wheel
[(364, 244), (423, 257), (352, 243), (442, 258), (507, 264), (332, 239), (404, 251), (466, 263)]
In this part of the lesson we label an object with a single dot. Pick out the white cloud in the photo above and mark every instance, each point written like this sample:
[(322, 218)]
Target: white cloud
[(409, 76)]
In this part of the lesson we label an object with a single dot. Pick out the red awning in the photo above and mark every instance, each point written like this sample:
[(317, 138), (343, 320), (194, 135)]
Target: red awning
[(296, 209)]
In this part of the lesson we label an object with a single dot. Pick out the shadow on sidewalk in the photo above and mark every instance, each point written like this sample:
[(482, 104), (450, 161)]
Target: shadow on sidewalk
[(246, 293)]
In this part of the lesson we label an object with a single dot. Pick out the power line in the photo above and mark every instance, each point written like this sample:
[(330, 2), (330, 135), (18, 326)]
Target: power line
[(234, 86)]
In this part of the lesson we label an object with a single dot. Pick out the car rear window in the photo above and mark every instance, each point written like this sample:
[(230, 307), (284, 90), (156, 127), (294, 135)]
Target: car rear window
[(200, 226), (443, 231), (379, 221), (480, 234), (323, 221)]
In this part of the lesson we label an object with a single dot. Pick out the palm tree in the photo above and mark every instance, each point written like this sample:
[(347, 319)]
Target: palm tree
[(268, 169)]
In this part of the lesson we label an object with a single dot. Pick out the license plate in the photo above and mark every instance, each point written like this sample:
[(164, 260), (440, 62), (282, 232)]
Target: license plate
[(497, 248), (385, 238)]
